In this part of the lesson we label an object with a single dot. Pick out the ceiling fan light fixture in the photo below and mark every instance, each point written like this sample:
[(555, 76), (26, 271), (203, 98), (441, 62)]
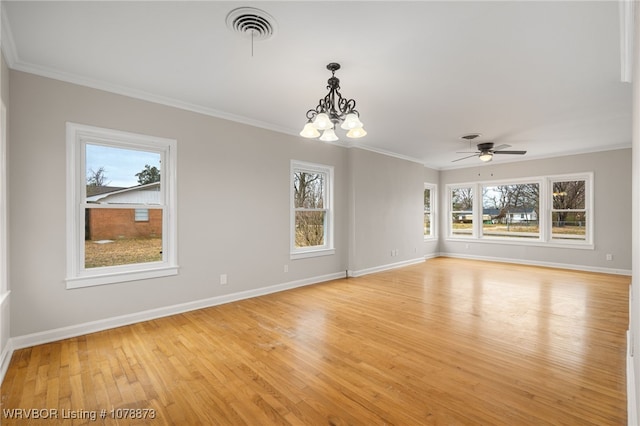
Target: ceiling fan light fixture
[(486, 156)]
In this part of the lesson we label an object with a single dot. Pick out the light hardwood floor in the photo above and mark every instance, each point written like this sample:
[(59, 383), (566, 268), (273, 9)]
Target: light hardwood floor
[(447, 342)]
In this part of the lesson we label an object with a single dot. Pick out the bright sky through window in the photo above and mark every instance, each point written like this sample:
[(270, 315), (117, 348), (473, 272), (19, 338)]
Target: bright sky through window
[(120, 165)]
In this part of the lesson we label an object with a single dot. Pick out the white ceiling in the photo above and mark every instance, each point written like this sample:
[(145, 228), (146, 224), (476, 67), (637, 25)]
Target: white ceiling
[(540, 76)]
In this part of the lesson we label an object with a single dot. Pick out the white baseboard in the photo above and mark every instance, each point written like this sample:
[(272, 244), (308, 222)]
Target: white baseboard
[(387, 267), (584, 268), (39, 338), (632, 413), (5, 359)]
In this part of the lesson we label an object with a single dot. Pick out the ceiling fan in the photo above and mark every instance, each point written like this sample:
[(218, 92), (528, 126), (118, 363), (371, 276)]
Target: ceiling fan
[(486, 150)]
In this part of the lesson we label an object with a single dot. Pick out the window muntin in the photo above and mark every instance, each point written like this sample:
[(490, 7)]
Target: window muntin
[(429, 211), (511, 210), (568, 211), (112, 178), (461, 211), (312, 216)]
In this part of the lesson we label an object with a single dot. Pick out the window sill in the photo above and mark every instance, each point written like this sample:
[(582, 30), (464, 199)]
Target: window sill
[(312, 253), (524, 242), (119, 277)]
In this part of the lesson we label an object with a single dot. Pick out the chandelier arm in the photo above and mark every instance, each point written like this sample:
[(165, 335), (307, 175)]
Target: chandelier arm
[(311, 114)]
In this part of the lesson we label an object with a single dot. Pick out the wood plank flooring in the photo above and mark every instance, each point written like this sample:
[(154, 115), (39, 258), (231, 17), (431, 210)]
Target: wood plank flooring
[(447, 342)]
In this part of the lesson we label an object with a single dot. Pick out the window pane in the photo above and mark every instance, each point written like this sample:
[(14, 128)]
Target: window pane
[(142, 215), (462, 211), (569, 225), (114, 237), (569, 195), (310, 227), (511, 210), (122, 176), (427, 212), (308, 190)]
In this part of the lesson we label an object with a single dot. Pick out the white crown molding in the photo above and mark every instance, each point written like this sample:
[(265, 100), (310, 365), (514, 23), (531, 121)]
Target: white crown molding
[(145, 96), (359, 145)]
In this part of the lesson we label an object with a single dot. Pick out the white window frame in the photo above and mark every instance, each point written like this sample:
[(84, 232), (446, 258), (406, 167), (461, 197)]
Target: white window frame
[(78, 136), (474, 194), (545, 208), (433, 197), (588, 208), (327, 248)]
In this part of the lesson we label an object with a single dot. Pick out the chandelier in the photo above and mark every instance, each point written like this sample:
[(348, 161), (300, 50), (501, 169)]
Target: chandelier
[(333, 110)]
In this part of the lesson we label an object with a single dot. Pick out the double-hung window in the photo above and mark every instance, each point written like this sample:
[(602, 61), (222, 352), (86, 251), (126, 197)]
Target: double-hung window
[(311, 210), (461, 211), (121, 209), (429, 211), (570, 205)]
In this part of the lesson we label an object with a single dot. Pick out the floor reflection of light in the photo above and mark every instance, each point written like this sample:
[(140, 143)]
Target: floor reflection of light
[(537, 317)]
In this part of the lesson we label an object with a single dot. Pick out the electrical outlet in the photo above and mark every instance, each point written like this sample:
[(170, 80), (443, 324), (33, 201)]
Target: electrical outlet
[(609, 256), (286, 268), (223, 279)]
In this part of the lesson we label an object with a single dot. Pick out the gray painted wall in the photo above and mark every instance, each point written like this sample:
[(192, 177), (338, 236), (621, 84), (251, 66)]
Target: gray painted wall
[(243, 173), (233, 197), (229, 175), (386, 210), (612, 205)]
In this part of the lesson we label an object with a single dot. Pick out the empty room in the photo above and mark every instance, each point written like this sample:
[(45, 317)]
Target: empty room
[(319, 212)]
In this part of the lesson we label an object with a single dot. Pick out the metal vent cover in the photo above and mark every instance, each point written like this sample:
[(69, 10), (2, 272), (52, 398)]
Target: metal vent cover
[(251, 22), (470, 136)]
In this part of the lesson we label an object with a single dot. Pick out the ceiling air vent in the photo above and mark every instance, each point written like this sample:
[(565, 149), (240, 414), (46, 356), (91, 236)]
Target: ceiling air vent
[(251, 22), (470, 136)]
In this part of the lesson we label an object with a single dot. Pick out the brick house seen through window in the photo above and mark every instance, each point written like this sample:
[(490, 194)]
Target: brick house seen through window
[(114, 224)]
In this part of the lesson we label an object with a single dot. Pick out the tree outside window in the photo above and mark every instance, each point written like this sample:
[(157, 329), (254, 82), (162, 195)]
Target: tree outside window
[(569, 213), (511, 210), (462, 211)]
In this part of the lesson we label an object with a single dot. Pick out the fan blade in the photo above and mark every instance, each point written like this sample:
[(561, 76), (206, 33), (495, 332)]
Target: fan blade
[(499, 147), (464, 158), (467, 152), (510, 152)]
